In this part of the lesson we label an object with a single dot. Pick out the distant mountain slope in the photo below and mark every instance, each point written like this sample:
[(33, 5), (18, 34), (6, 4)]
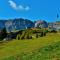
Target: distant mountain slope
[(16, 24), (41, 24)]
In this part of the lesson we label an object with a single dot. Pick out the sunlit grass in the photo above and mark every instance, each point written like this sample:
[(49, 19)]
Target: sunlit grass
[(28, 48)]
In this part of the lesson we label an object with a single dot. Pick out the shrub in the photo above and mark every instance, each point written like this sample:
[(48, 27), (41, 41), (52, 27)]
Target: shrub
[(44, 33), (30, 37), (23, 35), (36, 35), (34, 31), (41, 34), (53, 31), (28, 34), (18, 37), (3, 33)]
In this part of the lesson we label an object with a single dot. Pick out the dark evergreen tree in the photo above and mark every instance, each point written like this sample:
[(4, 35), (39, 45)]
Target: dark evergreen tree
[(3, 34)]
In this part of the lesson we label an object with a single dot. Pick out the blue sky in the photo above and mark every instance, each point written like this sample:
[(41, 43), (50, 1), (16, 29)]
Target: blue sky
[(30, 9)]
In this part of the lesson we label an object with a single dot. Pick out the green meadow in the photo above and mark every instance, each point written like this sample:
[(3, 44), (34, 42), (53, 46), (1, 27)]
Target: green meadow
[(42, 48)]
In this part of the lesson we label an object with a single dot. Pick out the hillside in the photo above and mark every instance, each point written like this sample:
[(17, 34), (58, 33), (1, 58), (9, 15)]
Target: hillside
[(46, 48)]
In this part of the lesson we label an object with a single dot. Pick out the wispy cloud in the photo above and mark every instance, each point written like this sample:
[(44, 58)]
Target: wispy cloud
[(27, 8), (12, 4), (18, 7)]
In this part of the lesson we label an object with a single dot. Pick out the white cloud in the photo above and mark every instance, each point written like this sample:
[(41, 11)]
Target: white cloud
[(19, 7), (12, 4), (27, 8)]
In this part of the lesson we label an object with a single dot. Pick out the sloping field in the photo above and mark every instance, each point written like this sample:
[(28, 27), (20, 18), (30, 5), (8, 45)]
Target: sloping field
[(43, 48)]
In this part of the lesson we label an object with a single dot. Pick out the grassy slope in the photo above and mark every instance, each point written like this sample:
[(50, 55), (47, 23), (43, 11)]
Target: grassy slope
[(16, 47)]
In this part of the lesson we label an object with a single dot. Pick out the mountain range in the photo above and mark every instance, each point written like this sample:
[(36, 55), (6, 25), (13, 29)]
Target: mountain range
[(16, 24), (20, 24)]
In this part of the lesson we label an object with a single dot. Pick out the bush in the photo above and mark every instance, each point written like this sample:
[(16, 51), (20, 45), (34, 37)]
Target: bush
[(44, 33), (36, 35), (53, 31), (18, 37), (3, 33), (28, 35), (41, 34), (34, 31), (20, 32), (23, 35)]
